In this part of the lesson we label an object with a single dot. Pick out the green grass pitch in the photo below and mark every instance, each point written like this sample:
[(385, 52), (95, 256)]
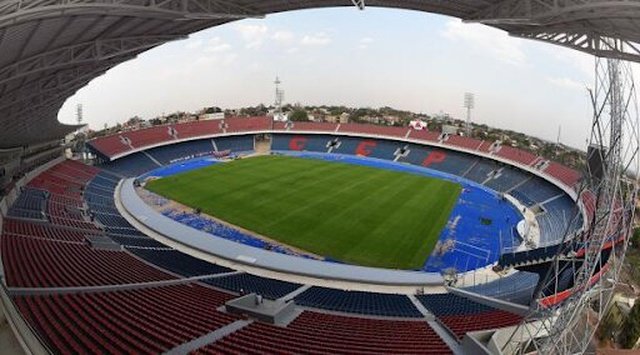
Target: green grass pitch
[(356, 214)]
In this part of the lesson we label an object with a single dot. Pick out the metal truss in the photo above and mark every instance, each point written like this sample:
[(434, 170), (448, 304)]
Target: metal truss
[(594, 258), (16, 11), (359, 4), (82, 53), (40, 101), (584, 25), (55, 82), (549, 12), (586, 41)]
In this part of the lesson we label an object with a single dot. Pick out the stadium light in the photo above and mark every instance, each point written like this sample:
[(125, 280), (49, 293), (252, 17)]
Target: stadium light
[(469, 104)]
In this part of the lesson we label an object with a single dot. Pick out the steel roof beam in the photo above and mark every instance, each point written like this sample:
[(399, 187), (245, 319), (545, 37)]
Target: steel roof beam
[(584, 25), (55, 86), (549, 12), (16, 11), (590, 43), (82, 53)]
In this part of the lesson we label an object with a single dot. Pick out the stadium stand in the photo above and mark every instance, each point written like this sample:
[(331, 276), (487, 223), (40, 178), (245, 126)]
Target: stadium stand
[(528, 257), (446, 161), (306, 126), (198, 128), (178, 263), (516, 155), (150, 136), (485, 147), (374, 130), (424, 135), (314, 332), (381, 149), (315, 143), (131, 165), (358, 302), (37, 262), (55, 253), (41, 230), (481, 171), (506, 178), (247, 124), (152, 320), (517, 287), (568, 176), (462, 315), (113, 145), (110, 146), (31, 204), (561, 215), (171, 153), (135, 241), (247, 283), (535, 191), (588, 200), (464, 142), (235, 144)]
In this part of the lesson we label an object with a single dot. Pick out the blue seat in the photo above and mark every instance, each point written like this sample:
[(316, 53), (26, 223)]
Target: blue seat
[(448, 304), (179, 263), (235, 143), (175, 152), (246, 283), (308, 143), (481, 170), (517, 288), (536, 190), (561, 216), (390, 305), (131, 165), (506, 178)]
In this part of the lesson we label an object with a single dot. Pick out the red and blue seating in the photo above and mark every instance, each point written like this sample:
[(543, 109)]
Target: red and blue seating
[(320, 333), (388, 131), (462, 315), (247, 283), (144, 321), (39, 262), (358, 302)]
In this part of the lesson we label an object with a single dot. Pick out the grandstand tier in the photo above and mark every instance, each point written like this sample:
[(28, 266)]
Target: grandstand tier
[(49, 242)]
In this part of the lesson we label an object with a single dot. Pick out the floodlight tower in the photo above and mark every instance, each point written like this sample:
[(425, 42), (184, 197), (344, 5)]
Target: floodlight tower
[(79, 114), (469, 104), (594, 256), (279, 99)]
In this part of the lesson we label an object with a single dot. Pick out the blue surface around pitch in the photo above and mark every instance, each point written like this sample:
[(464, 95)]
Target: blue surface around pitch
[(181, 167), (480, 226)]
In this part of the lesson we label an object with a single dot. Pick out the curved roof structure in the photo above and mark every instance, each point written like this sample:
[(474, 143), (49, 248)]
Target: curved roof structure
[(51, 48)]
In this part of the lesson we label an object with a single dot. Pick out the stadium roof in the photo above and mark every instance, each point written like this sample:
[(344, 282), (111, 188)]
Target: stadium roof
[(51, 48)]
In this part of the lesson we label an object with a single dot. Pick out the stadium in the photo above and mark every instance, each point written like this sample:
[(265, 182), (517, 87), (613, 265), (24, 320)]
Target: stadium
[(253, 235)]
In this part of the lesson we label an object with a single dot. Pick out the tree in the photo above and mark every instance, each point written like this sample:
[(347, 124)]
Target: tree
[(299, 115), (631, 328), (213, 109), (134, 120), (635, 240)]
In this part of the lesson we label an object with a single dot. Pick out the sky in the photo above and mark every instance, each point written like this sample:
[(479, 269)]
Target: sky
[(373, 58)]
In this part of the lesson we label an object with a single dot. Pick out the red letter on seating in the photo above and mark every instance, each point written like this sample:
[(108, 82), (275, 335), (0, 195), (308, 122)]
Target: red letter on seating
[(364, 148), (434, 157), (297, 143)]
